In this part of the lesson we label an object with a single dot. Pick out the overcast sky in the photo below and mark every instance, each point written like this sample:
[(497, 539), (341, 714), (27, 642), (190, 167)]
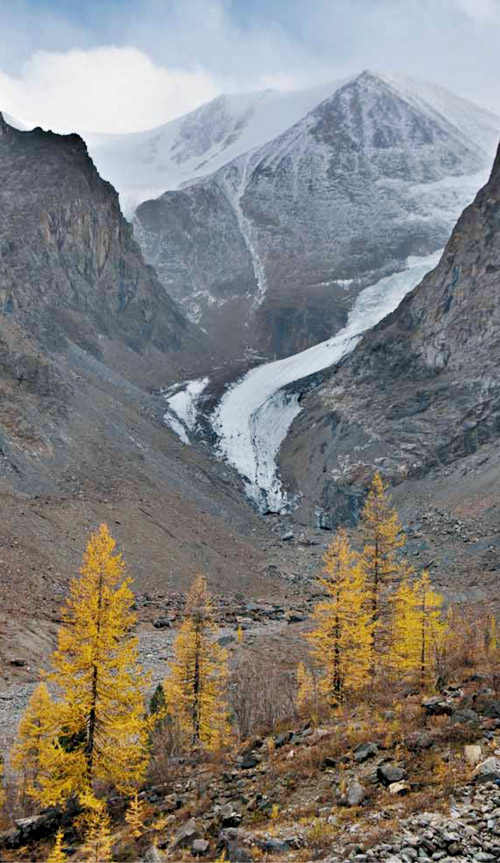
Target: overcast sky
[(126, 65)]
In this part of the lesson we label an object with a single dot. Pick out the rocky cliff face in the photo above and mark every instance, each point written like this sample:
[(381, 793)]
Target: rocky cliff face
[(269, 251), (421, 393), (69, 266)]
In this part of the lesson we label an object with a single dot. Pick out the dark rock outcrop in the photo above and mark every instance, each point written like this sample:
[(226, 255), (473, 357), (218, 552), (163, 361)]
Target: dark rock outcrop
[(70, 268)]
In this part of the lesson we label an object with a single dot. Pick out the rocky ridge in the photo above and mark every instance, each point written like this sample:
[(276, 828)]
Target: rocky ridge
[(419, 397)]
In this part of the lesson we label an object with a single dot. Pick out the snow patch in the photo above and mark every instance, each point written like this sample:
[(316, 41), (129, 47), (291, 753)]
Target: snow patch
[(254, 415), (181, 414)]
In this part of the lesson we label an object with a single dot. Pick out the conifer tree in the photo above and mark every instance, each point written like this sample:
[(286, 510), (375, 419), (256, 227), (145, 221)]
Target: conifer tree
[(379, 561), (157, 701), (135, 815), (342, 635), (307, 696), (37, 754), (97, 730), (96, 826), (491, 637), (195, 690), (57, 854), (419, 629)]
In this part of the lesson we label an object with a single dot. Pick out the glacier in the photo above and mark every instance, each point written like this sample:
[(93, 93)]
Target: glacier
[(253, 417)]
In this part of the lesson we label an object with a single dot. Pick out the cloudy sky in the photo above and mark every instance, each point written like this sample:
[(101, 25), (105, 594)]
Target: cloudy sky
[(126, 65)]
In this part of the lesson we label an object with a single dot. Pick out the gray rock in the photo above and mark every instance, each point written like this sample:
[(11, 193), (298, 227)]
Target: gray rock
[(276, 846), (491, 709), (287, 536), (162, 623), (389, 773), (249, 762), (355, 793), (364, 751), (488, 770), (399, 788), (421, 740), (200, 847), (185, 837), (229, 817), (465, 716), (153, 855), (437, 706), (473, 753)]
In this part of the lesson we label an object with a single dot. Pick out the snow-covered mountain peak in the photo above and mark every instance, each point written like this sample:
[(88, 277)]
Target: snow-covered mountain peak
[(268, 249)]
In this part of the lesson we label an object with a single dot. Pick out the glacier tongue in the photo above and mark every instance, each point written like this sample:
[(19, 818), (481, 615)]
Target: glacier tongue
[(254, 415)]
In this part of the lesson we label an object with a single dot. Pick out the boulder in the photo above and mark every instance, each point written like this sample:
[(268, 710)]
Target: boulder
[(152, 855), (187, 834), (229, 817), (162, 623), (399, 788), (355, 793), (491, 710), (437, 706), (318, 734), (249, 761), (282, 739), (233, 852), (473, 754), (276, 846), (200, 847), (389, 773), (419, 741), (465, 716), (295, 617), (364, 751), (488, 770)]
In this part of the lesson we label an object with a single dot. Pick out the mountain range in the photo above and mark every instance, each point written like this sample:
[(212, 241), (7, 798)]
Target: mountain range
[(288, 226), (278, 209)]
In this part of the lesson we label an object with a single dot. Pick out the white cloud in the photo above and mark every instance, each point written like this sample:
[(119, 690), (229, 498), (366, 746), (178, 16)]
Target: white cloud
[(105, 89), (480, 10), (138, 63)]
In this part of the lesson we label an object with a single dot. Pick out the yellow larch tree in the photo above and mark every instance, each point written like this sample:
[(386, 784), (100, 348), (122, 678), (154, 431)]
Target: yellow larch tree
[(95, 669), (37, 754), (306, 700), (491, 638), (195, 690), (57, 854), (380, 563), (419, 629), (135, 815), (96, 730), (341, 638), (96, 826)]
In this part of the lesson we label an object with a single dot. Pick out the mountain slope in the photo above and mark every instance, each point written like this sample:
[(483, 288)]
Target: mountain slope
[(87, 336), (420, 395), (70, 267), (269, 252), (146, 164)]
